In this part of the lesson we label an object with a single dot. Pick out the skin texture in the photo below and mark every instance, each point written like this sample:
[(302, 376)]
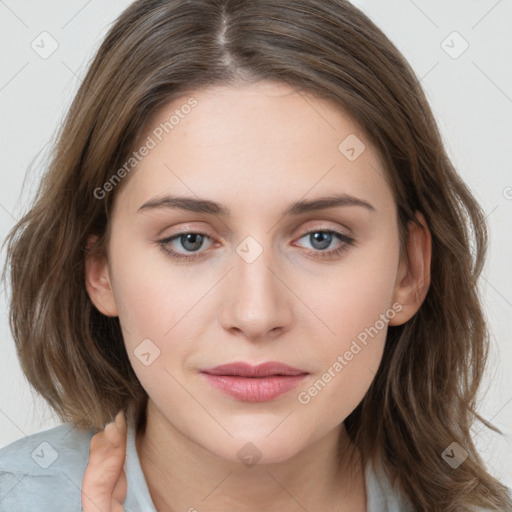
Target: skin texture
[(255, 149), (104, 485)]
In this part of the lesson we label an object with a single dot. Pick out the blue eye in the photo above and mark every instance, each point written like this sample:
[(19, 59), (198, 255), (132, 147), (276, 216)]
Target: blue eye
[(325, 239), (193, 241), (189, 240)]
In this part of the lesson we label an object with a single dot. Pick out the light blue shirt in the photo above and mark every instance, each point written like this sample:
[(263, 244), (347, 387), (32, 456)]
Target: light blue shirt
[(43, 472)]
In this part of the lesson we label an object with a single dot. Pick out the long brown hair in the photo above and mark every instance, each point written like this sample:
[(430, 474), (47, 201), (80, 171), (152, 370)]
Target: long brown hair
[(423, 398)]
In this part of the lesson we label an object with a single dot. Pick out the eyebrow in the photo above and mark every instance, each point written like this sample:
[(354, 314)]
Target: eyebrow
[(211, 207)]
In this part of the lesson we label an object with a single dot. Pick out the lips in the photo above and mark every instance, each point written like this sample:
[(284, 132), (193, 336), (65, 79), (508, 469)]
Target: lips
[(248, 370), (248, 383)]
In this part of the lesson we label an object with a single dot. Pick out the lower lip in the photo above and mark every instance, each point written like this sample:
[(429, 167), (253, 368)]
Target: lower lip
[(255, 389)]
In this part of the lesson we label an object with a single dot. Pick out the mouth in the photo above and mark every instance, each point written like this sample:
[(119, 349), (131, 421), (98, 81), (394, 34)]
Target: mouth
[(269, 369), (248, 383)]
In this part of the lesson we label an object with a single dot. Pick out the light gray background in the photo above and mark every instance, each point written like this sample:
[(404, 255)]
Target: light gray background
[(470, 94)]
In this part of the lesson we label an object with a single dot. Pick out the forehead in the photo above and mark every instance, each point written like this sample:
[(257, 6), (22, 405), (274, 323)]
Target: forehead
[(260, 144)]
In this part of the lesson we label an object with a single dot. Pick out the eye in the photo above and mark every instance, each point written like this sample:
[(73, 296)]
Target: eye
[(320, 239), (192, 242), (189, 241)]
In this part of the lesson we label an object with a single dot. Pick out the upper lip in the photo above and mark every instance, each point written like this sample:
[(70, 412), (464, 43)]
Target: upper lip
[(247, 370)]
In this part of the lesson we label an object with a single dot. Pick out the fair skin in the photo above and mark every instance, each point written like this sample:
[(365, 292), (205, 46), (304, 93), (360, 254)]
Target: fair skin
[(254, 149)]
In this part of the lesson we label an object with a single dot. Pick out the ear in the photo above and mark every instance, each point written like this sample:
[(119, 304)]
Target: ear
[(413, 277), (97, 280)]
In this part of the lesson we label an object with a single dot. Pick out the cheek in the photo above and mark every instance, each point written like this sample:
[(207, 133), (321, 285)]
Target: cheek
[(151, 294), (158, 305), (152, 309), (354, 294), (355, 308)]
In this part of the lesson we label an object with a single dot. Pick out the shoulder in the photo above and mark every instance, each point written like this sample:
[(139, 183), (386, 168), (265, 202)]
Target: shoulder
[(43, 471), (382, 495)]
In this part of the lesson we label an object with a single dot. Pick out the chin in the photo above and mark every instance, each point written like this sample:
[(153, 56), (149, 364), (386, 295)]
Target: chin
[(258, 449)]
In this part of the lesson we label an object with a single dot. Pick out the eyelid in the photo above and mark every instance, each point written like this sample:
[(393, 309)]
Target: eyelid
[(310, 227), (324, 225), (326, 230)]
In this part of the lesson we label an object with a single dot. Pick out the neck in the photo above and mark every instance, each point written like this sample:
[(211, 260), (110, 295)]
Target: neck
[(182, 475)]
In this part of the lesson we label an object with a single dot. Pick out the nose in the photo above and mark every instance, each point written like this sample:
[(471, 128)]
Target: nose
[(257, 300)]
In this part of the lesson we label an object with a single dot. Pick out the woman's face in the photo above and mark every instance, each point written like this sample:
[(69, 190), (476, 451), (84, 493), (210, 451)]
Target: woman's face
[(255, 287)]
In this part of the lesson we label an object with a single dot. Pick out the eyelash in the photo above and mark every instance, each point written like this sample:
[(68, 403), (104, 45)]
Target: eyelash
[(324, 255)]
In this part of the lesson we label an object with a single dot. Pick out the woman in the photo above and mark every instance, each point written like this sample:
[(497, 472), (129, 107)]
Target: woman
[(324, 346)]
